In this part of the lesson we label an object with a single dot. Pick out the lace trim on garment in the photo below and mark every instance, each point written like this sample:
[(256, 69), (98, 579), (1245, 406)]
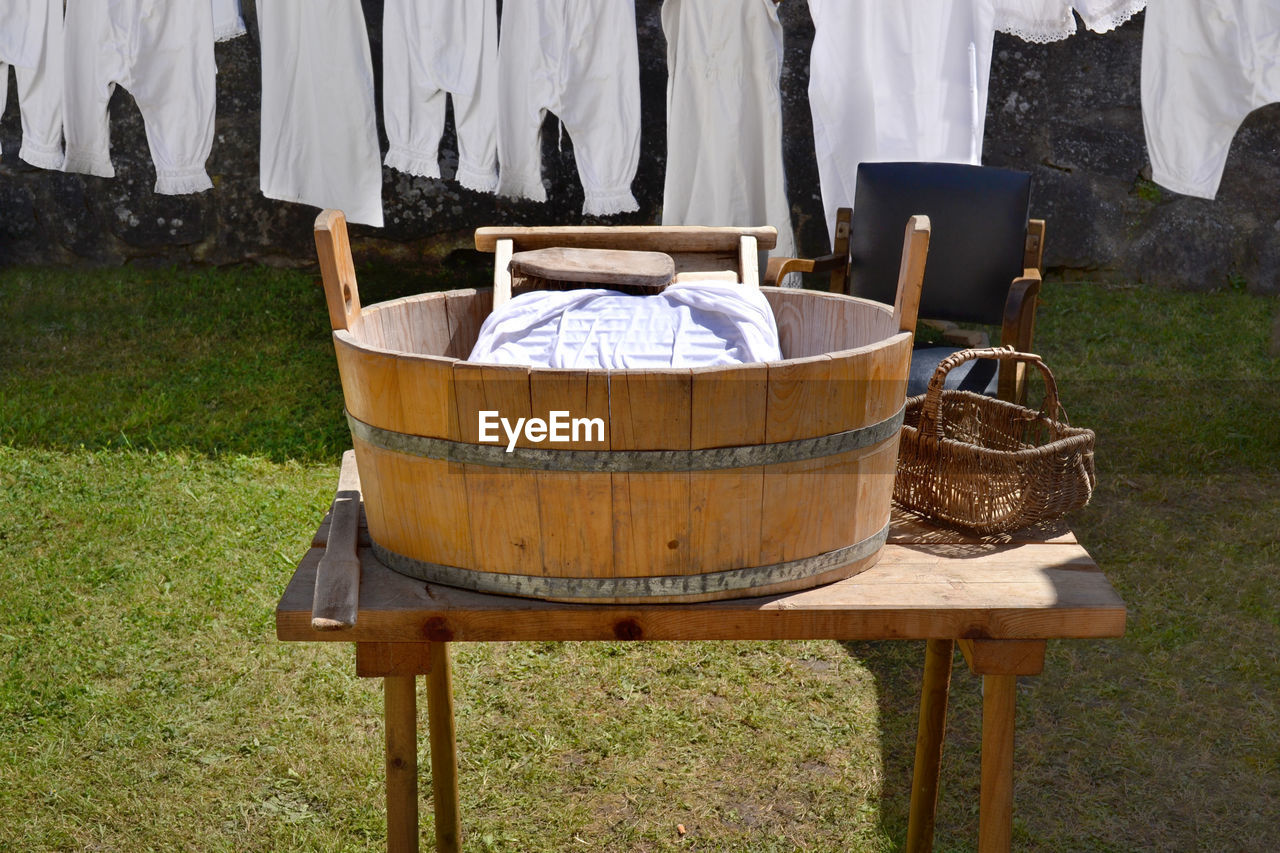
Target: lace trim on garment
[(1035, 30), (480, 180), (42, 156), (412, 162), (521, 186), (1114, 15), (609, 202), (88, 163), (182, 182), (227, 32)]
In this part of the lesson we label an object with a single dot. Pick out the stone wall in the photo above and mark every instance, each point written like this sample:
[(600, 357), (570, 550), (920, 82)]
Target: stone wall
[(1069, 112)]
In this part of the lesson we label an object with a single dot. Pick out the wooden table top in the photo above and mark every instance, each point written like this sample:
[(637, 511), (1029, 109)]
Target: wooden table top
[(929, 584)]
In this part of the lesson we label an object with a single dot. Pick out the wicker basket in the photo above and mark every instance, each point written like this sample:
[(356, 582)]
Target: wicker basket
[(989, 466)]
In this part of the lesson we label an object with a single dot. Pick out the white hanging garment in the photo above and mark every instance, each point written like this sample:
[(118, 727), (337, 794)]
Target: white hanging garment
[(162, 52), (724, 116), (579, 60), (896, 81), (319, 142), (1044, 21), (687, 325), (908, 81), (38, 68), (1206, 64), (22, 29), (228, 23), (430, 52)]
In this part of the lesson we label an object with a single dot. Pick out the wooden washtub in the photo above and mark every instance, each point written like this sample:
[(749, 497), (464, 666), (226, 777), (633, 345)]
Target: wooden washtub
[(702, 484)]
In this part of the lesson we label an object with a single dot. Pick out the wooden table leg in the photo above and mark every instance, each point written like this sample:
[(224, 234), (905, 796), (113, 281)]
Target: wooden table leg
[(401, 710), (995, 802), (934, 691), (999, 662), (444, 750), (399, 665)]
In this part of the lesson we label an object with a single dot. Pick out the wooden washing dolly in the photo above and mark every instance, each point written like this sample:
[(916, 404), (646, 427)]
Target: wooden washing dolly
[(1000, 600)]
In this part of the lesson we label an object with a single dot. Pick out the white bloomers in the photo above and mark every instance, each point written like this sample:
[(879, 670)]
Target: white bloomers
[(430, 52), (1206, 64), (161, 51), (31, 40), (579, 60), (228, 23)]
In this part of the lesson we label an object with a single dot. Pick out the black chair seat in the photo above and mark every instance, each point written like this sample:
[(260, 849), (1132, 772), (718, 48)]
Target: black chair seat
[(979, 375)]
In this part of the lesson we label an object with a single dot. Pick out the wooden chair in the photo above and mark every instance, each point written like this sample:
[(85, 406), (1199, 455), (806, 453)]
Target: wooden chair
[(984, 259)]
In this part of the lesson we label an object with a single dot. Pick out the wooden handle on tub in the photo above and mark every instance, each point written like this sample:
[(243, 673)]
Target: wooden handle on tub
[(915, 248), (337, 269)]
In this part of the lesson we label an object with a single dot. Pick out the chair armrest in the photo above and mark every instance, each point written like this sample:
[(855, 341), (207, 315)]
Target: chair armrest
[(778, 267), (836, 263), (1017, 331)]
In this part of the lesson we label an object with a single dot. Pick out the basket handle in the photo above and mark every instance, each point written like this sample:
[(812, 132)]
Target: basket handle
[(929, 419)]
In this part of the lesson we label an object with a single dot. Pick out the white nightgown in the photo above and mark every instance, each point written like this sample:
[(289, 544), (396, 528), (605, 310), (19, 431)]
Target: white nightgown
[(319, 141), (724, 60), (908, 81)]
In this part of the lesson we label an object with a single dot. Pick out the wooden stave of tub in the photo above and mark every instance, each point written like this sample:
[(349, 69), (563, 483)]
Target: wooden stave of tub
[(595, 537)]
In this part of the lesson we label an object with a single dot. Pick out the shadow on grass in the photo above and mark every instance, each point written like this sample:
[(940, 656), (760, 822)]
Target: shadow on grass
[(214, 362)]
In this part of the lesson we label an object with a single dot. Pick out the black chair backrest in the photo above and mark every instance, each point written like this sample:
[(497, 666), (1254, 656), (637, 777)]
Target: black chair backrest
[(978, 216)]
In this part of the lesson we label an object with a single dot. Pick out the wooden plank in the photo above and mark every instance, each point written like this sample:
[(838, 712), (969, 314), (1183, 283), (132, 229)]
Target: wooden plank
[(425, 500), (369, 382), (749, 261), (797, 518), (1004, 657), (503, 250), (466, 310), (429, 324), (935, 690), (602, 267), (995, 799), (401, 721), (576, 520), (910, 529), (502, 502), (379, 660), (649, 410), (655, 238), (693, 277), (727, 408), (700, 262), (442, 733), (809, 323), (1048, 603), (337, 595)]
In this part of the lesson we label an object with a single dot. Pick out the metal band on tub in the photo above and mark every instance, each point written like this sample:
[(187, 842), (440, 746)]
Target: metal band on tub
[(587, 588), (628, 461)]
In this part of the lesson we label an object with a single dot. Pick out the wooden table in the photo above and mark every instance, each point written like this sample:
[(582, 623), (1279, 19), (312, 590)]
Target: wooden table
[(999, 599)]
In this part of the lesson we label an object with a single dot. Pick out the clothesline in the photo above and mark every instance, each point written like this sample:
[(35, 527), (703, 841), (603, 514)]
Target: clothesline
[(887, 81)]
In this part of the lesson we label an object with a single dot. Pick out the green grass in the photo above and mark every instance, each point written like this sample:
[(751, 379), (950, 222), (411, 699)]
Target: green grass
[(168, 441)]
